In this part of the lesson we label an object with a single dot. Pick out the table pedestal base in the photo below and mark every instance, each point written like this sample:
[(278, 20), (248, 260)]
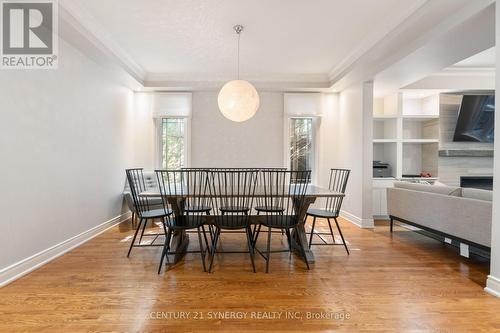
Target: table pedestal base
[(179, 244)]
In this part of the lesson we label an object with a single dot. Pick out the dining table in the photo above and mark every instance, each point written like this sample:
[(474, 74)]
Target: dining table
[(180, 239)]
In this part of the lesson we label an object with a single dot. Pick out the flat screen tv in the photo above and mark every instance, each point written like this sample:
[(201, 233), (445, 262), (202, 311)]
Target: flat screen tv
[(476, 119)]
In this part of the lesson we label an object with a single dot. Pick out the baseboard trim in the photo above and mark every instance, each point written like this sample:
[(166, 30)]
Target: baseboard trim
[(362, 223), (493, 286), (15, 271)]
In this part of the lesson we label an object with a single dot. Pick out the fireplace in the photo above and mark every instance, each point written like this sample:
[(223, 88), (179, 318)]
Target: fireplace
[(481, 182)]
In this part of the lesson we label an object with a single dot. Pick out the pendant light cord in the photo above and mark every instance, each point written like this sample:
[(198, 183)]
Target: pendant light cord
[(238, 29), (238, 56)]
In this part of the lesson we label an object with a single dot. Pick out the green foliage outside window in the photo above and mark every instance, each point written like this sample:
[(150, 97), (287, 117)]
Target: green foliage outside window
[(173, 133)]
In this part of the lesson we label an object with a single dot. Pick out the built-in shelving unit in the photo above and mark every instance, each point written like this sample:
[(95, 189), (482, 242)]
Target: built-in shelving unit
[(406, 136), (385, 140)]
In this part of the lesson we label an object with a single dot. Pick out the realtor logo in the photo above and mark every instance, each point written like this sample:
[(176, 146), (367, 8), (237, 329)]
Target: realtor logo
[(29, 34)]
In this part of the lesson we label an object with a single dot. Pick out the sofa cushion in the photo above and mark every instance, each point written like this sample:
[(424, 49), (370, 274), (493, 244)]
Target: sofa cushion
[(150, 183), (445, 190), (474, 193)]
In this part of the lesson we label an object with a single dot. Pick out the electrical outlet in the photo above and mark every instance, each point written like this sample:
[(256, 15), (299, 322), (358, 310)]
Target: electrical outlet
[(464, 250)]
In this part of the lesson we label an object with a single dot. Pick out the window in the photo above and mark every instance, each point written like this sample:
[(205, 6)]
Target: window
[(173, 143), (301, 143)]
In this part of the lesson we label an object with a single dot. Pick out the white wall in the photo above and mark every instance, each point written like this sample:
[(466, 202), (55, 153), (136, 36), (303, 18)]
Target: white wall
[(353, 150), (327, 139), (219, 142), (493, 282), (65, 140), (145, 134)]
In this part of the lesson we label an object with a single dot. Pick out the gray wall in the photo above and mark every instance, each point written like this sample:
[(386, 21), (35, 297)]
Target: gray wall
[(219, 142), (451, 168)]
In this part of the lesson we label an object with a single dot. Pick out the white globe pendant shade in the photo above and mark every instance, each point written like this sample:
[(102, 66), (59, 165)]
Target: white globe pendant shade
[(238, 100)]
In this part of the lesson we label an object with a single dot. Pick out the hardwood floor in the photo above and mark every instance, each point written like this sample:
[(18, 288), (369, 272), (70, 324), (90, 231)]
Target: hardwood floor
[(390, 283)]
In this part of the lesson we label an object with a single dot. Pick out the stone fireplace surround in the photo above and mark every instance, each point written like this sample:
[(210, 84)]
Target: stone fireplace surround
[(459, 159)]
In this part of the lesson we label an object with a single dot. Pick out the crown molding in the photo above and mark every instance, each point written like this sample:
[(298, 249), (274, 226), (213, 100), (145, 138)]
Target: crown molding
[(208, 85), (224, 77), (210, 81), (85, 23)]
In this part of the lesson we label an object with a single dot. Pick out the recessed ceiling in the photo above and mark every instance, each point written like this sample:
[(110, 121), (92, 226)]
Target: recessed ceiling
[(293, 37)]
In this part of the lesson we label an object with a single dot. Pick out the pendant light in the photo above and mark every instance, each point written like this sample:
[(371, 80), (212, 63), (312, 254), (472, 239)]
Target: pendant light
[(238, 99)]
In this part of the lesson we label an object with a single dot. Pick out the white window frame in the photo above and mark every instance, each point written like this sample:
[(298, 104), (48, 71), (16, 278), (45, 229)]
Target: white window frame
[(316, 120), (159, 140)]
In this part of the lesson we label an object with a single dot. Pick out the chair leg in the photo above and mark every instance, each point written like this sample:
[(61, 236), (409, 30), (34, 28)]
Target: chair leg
[(250, 247), (312, 231), (202, 251), (268, 249), (210, 230), (303, 252), (341, 236), (331, 230), (143, 229), (257, 232), (289, 238), (164, 230), (166, 247), (282, 231), (164, 226), (214, 246), (392, 224), (205, 236), (133, 239)]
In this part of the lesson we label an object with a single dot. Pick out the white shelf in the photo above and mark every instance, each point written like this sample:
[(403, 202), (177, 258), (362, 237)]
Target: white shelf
[(420, 141), (419, 178), (385, 116), (385, 140), (420, 117)]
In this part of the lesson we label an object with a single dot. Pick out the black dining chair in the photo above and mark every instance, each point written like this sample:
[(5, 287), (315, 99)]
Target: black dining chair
[(337, 183), (275, 207), (147, 209), (205, 207), (204, 203), (276, 204), (188, 189), (284, 187), (232, 194)]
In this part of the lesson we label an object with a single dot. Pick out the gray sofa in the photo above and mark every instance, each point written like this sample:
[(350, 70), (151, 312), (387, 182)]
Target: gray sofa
[(462, 214), (151, 183)]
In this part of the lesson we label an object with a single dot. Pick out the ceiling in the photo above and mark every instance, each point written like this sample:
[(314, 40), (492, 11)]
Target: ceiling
[(485, 59), (193, 39)]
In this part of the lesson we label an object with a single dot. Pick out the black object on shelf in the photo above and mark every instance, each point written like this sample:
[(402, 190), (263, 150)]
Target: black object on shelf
[(381, 169)]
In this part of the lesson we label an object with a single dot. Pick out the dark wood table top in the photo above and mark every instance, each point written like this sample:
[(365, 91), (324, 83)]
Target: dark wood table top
[(312, 191)]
